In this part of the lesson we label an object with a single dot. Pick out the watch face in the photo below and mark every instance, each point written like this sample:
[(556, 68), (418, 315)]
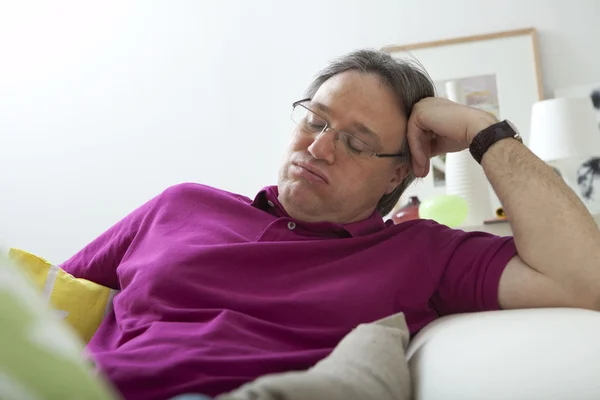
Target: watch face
[(514, 128)]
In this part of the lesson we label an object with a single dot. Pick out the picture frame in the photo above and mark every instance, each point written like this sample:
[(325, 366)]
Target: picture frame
[(500, 73)]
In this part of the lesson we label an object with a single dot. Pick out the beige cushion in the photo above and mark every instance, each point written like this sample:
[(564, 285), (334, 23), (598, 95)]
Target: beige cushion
[(369, 363)]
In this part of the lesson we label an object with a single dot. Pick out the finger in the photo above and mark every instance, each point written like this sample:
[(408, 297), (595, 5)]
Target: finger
[(428, 140), (425, 169), (422, 154), (443, 145), (439, 146), (419, 146), (422, 167)]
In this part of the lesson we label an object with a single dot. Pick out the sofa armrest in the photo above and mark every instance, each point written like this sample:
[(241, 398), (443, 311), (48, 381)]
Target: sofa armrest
[(551, 353)]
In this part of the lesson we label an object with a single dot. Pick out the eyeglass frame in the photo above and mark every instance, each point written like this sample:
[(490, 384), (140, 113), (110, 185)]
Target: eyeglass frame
[(328, 126)]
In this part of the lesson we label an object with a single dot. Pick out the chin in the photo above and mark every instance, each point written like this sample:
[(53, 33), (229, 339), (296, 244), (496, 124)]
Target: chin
[(300, 195), (294, 190)]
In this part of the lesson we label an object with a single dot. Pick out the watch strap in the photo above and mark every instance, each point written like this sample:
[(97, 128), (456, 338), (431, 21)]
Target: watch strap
[(490, 135)]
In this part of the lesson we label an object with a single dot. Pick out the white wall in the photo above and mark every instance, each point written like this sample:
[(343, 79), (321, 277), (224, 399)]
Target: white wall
[(104, 104)]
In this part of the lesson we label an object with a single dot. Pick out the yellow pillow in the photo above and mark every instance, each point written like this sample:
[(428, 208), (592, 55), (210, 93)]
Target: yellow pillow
[(81, 303)]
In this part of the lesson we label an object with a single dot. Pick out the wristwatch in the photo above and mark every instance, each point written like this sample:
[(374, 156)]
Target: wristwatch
[(490, 135)]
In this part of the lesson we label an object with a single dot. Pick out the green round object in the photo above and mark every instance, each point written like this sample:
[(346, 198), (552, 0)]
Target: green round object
[(449, 210)]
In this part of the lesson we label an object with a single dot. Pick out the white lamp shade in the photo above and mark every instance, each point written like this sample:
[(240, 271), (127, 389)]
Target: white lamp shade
[(564, 128)]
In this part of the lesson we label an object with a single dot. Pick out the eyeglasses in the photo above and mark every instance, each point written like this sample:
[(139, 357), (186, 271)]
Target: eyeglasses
[(312, 123)]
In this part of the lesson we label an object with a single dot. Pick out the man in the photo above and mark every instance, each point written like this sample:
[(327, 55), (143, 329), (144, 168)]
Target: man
[(218, 289)]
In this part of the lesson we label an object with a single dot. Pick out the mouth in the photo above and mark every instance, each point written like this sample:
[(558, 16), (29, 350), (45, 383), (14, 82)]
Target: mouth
[(312, 172)]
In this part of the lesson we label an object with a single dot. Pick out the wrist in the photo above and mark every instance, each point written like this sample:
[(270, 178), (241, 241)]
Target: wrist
[(482, 121), (490, 135), (500, 147)]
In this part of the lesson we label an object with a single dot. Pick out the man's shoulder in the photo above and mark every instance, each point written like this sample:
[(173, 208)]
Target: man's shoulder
[(194, 190), (418, 225), (432, 232)]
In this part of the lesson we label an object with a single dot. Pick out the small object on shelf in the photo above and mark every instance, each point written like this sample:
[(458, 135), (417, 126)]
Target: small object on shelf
[(408, 211), (449, 210), (500, 214)]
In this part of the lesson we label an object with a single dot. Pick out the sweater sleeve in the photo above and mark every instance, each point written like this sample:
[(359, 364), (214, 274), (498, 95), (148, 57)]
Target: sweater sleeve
[(98, 261)]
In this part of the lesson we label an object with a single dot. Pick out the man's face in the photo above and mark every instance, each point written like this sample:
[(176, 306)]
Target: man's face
[(342, 186)]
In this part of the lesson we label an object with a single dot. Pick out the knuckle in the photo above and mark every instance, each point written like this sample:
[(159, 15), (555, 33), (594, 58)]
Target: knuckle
[(420, 116)]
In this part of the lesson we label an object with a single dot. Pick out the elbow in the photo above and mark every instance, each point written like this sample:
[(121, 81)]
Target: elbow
[(585, 298), (596, 304), (593, 295), (589, 302)]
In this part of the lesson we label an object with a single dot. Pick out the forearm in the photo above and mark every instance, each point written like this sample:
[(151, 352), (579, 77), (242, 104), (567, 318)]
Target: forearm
[(554, 233)]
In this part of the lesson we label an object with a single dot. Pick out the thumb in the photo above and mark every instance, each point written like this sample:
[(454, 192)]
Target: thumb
[(419, 143)]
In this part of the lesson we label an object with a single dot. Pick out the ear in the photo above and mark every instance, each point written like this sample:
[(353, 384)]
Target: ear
[(400, 172)]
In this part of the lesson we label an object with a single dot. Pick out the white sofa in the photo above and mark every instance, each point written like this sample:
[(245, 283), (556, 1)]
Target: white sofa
[(532, 354)]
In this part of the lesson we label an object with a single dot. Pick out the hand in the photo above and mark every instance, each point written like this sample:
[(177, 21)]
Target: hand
[(438, 126)]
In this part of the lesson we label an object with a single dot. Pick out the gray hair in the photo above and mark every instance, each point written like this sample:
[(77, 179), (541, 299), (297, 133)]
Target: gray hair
[(409, 81)]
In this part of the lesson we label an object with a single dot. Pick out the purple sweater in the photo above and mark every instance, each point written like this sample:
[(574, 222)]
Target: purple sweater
[(217, 289)]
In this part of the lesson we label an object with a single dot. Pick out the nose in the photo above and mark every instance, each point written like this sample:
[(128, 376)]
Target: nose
[(323, 147)]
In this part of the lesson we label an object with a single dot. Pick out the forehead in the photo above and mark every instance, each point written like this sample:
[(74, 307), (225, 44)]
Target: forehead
[(353, 98)]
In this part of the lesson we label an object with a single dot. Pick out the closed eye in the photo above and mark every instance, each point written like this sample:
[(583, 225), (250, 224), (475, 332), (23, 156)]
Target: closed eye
[(354, 144), (315, 123)]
